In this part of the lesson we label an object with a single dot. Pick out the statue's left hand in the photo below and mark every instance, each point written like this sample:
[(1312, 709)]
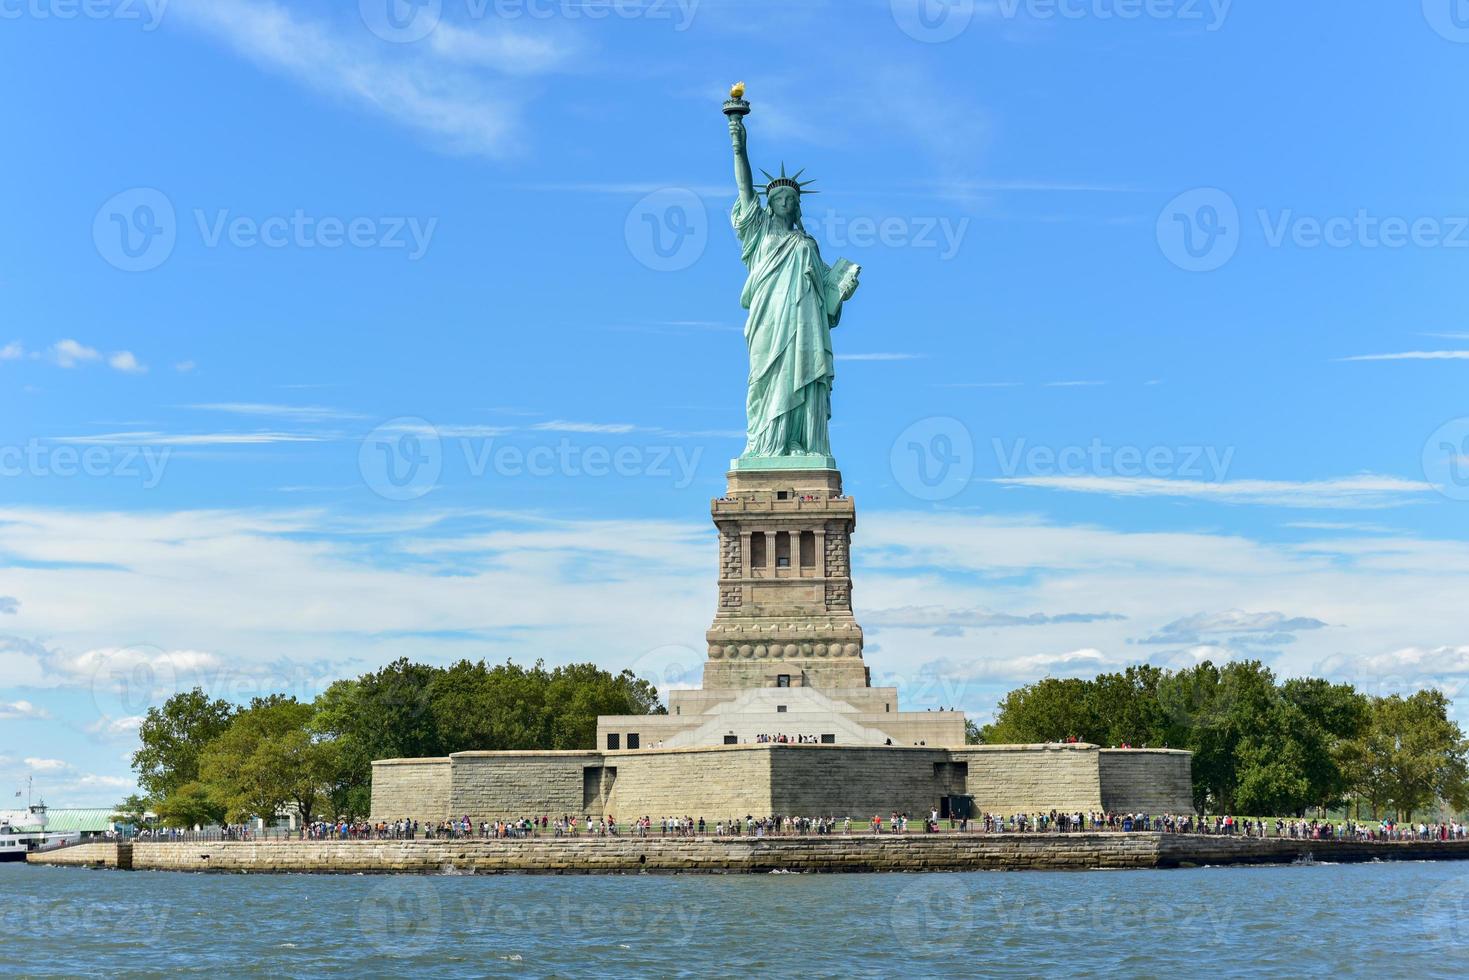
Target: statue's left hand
[(849, 282)]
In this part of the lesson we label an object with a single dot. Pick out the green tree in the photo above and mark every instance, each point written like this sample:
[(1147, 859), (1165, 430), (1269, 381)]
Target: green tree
[(268, 759), (172, 736), (1411, 755), (190, 805), (133, 810), (1049, 710)]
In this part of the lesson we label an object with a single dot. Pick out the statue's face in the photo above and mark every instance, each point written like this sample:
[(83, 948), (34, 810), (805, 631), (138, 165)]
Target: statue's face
[(785, 204)]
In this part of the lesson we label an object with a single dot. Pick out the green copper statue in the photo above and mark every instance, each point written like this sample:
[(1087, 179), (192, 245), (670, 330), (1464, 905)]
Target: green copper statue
[(794, 299)]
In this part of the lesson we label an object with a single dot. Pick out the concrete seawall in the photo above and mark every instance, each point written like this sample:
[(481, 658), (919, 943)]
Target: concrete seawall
[(836, 853)]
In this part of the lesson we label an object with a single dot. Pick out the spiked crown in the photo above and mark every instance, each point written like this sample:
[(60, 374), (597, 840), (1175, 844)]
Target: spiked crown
[(793, 181)]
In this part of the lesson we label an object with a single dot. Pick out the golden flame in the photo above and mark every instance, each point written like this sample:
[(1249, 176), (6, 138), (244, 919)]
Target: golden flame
[(737, 90)]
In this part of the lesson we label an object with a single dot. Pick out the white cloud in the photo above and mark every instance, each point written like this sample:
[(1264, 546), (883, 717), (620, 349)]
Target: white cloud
[(246, 598), (1414, 355), (115, 728), (1365, 491), (440, 88), (303, 413), (187, 439), (1242, 628), (45, 765), (12, 351), (9, 605), (126, 362), (21, 709), (69, 353), (558, 425), (184, 367)]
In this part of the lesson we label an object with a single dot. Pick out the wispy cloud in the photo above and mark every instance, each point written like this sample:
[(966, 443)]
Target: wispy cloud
[(186, 439), (9, 605), (1366, 491), (301, 413), (1074, 384), (12, 351), (953, 622), (560, 425), (21, 709), (1413, 355), (1234, 627), (455, 87)]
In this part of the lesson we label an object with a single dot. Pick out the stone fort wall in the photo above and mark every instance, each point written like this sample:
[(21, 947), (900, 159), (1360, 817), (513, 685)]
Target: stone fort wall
[(1146, 780), (717, 782)]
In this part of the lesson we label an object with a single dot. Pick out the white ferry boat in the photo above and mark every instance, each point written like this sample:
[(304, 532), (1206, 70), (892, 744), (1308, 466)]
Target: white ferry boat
[(22, 831)]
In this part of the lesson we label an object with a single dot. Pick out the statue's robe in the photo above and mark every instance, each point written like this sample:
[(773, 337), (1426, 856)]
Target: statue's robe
[(794, 301)]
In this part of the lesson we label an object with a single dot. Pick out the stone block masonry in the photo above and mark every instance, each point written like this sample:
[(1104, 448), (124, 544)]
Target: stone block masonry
[(718, 782), (836, 853)]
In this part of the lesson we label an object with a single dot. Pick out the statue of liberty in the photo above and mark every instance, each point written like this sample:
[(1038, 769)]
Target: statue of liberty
[(794, 299)]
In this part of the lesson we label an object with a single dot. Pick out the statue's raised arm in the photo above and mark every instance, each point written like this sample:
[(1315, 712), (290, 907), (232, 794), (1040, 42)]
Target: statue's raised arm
[(743, 179)]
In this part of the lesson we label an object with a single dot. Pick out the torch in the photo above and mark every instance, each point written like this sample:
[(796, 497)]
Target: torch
[(736, 105)]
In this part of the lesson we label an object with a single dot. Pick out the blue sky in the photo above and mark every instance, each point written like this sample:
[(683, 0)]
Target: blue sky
[(1159, 353)]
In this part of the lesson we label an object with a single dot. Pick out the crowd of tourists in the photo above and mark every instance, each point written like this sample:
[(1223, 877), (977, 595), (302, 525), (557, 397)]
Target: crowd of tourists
[(788, 739), (895, 822)]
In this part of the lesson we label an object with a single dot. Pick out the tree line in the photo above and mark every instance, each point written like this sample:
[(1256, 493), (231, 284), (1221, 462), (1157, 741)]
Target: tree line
[(203, 760), (1261, 746)]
